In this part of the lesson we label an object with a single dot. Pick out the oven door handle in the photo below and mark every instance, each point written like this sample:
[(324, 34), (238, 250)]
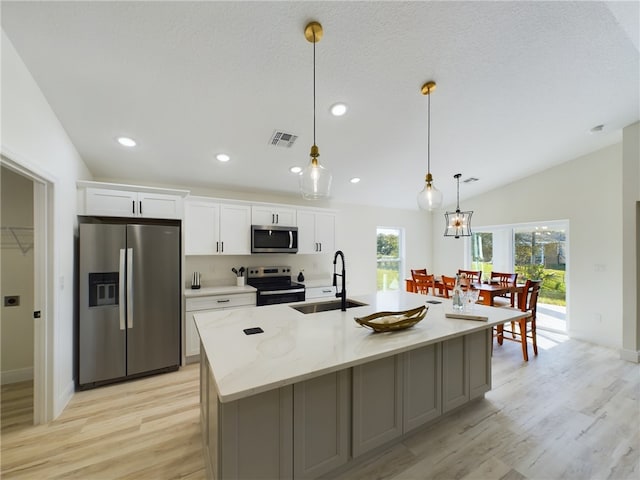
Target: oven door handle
[(280, 292)]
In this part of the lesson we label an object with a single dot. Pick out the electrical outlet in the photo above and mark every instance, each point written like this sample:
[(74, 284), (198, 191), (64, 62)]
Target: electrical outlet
[(12, 301)]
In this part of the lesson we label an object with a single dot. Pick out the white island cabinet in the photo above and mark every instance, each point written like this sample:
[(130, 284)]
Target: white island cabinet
[(313, 393)]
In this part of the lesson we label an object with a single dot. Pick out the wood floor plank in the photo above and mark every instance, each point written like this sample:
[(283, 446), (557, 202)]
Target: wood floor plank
[(572, 412)]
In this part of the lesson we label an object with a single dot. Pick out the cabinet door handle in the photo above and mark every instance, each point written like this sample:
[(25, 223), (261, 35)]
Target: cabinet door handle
[(326, 291), (133, 206), (222, 246), (140, 203), (277, 218), (217, 247), (224, 301), (320, 243)]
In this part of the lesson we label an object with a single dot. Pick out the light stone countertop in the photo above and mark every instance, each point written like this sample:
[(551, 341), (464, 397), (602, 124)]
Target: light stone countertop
[(223, 290), (296, 347)]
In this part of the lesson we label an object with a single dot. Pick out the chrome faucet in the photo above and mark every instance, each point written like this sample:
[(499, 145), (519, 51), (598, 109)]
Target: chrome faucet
[(343, 294)]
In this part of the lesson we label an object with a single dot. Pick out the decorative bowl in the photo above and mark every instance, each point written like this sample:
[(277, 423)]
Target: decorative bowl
[(392, 321)]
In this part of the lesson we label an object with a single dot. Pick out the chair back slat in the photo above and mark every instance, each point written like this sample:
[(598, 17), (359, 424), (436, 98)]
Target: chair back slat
[(474, 275), (424, 282)]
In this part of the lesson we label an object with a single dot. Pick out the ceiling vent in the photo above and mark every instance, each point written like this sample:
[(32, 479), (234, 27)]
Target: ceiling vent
[(282, 139), (470, 180)]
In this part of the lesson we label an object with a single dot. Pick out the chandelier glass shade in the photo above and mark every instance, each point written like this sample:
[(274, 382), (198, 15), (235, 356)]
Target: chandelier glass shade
[(458, 223), (315, 180), (429, 198)]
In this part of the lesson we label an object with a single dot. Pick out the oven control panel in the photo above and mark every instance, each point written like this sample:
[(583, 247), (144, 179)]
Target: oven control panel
[(258, 272)]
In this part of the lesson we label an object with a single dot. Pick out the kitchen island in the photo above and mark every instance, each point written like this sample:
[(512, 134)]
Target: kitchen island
[(314, 393)]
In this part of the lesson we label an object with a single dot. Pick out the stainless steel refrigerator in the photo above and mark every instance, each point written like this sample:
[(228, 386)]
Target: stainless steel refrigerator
[(129, 300)]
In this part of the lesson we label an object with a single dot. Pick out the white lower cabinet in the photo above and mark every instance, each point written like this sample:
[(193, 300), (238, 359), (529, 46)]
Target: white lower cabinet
[(320, 292), (210, 303)]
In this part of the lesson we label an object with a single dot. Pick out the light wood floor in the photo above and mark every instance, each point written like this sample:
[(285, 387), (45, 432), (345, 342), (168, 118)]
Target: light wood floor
[(572, 412)]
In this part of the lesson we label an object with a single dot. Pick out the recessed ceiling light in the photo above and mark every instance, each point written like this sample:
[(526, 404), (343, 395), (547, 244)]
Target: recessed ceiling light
[(338, 109), (355, 180), (597, 129), (223, 157), (126, 141), (295, 169)]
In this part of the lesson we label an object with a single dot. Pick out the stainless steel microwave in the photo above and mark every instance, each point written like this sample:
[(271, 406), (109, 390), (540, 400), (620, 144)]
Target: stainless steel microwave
[(274, 239)]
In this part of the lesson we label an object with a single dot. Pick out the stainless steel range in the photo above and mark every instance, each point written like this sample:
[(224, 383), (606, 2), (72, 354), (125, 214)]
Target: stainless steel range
[(274, 285)]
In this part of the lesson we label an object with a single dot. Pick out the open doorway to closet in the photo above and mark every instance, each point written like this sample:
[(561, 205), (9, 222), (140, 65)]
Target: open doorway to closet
[(17, 296), (533, 251)]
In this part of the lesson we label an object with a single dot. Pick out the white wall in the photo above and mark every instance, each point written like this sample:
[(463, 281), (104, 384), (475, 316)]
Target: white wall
[(33, 137), (631, 241), (16, 328), (587, 192)]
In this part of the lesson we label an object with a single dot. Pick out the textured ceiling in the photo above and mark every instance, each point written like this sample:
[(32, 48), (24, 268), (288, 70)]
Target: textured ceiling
[(520, 84)]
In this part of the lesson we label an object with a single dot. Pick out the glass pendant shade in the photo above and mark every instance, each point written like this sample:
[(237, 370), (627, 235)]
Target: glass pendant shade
[(315, 180), (429, 198)]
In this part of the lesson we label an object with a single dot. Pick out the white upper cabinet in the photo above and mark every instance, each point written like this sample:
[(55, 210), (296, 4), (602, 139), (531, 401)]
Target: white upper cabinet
[(273, 215), (113, 200), (316, 232), (213, 228)]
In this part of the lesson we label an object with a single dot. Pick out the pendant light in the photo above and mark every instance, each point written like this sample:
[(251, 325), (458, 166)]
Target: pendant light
[(315, 180), (429, 198), (458, 223)]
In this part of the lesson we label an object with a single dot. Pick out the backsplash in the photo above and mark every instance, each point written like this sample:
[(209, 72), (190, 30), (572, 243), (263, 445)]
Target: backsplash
[(215, 270)]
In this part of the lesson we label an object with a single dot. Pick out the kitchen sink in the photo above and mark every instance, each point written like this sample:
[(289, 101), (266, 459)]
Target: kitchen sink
[(325, 306)]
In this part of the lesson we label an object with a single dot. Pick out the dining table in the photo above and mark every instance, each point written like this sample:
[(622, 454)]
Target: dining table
[(488, 291)]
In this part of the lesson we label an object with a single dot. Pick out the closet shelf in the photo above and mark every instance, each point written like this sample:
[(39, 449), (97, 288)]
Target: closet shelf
[(20, 237)]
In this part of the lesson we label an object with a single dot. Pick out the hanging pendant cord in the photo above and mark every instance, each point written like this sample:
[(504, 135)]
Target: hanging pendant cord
[(429, 132), (314, 86)]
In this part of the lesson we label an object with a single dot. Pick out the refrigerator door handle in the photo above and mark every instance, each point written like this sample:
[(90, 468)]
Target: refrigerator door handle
[(121, 280), (129, 287)]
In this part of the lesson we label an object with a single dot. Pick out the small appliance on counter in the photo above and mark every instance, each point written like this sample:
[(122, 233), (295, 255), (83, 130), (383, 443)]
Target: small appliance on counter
[(195, 280)]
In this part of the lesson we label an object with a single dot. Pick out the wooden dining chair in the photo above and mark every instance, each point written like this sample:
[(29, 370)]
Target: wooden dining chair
[(424, 282), (474, 275), (527, 302), (506, 279), (448, 283), (419, 271)]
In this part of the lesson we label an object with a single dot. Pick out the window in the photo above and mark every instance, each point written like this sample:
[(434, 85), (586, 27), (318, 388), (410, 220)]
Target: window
[(390, 257), (534, 251)]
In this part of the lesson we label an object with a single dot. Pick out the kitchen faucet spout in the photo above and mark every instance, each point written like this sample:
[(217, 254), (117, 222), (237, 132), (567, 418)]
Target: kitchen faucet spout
[(342, 295)]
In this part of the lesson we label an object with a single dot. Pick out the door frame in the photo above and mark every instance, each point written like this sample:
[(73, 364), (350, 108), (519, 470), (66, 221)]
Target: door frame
[(44, 268)]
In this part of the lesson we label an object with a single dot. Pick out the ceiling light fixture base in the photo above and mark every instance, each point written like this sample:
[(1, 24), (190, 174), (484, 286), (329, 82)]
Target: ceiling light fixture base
[(313, 32), (428, 87)]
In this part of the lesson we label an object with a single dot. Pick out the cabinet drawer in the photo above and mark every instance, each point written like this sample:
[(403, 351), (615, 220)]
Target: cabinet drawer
[(319, 292), (221, 301)]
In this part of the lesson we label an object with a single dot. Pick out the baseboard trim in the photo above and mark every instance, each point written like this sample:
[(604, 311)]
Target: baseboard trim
[(15, 376), (63, 399), (630, 355)]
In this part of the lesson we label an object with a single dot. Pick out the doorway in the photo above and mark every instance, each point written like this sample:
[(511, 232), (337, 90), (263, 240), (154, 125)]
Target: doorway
[(16, 294), (39, 304), (535, 251)]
